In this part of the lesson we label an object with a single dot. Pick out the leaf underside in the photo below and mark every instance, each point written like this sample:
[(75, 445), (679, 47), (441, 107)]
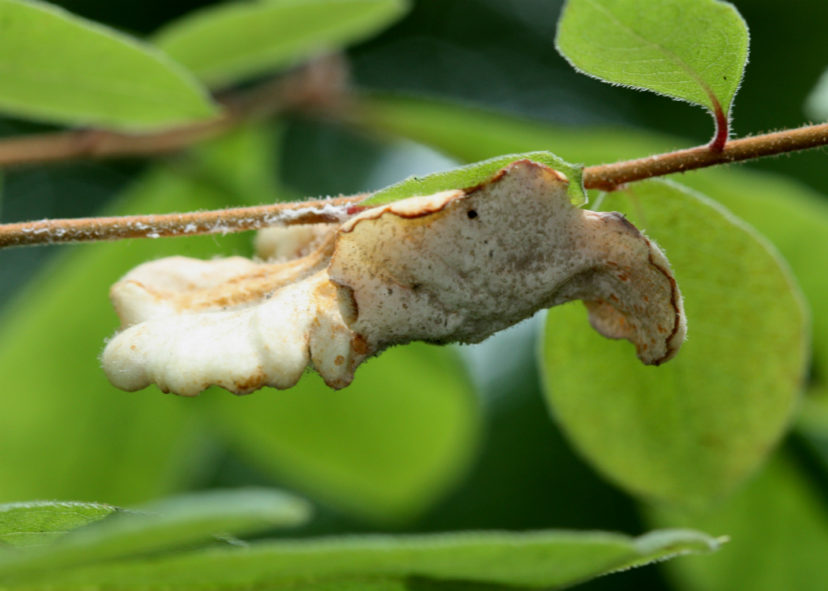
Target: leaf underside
[(692, 429)]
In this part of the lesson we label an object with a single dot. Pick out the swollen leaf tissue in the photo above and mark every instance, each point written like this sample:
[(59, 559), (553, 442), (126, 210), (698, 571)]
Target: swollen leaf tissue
[(455, 266)]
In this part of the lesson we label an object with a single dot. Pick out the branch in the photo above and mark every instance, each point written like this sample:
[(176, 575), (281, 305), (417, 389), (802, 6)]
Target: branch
[(605, 176), (610, 176), (221, 221)]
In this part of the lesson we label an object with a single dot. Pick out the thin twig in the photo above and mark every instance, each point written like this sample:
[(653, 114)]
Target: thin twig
[(222, 221), (604, 176), (609, 176)]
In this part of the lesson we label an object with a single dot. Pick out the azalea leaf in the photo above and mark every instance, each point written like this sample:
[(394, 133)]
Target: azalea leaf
[(690, 50), (548, 559), (228, 42), (61, 68), (692, 429), (164, 525), (778, 526), (41, 522)]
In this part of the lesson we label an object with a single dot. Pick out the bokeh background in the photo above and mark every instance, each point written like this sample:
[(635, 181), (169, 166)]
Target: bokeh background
[(472, 442)]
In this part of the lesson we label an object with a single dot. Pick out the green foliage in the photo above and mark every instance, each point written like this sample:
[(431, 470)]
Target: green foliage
[(177, 522), (692, 429), (39, 523), (384, 448), (321, 441), (691, 50), (236, 40), (383, 452), (58, 67), (473, 174), (779, 517), (151, 441), (779, 529), (547, 559)]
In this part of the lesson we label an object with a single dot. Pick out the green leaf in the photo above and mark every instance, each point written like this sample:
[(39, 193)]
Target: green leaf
[(65, 431), (164, 525), (384, 448), (232, 41), (778, 527), (41, 522), (61, 68), (817, 104), (473, 174), (690, 50), (795, 219), (692, 429), (538, 559)]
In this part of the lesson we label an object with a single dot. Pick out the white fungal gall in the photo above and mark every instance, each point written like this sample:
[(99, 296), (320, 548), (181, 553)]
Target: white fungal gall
[(455, 266)]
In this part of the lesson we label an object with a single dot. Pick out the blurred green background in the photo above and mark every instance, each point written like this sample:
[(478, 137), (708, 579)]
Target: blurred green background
[(428, 439)]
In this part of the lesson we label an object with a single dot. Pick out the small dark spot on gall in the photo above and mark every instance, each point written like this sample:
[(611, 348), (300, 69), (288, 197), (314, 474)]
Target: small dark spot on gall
[(390, 291), (472, 214)]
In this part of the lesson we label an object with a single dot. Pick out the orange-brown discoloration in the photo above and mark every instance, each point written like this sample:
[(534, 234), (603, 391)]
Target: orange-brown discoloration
[(249, 384), (360, 345)]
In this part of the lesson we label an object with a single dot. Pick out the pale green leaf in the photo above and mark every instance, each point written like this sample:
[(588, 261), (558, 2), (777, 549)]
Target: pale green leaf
[(61, 68), (164, 525), (228, 42), (692, 429), (795, 219), (817, 104), (39, 523), (690, 50), (384, 448), (472, 175), (778, 530), (65, 431), (547, 559)]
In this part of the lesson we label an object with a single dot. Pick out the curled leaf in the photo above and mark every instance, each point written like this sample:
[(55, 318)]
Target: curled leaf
[(458, 265)]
